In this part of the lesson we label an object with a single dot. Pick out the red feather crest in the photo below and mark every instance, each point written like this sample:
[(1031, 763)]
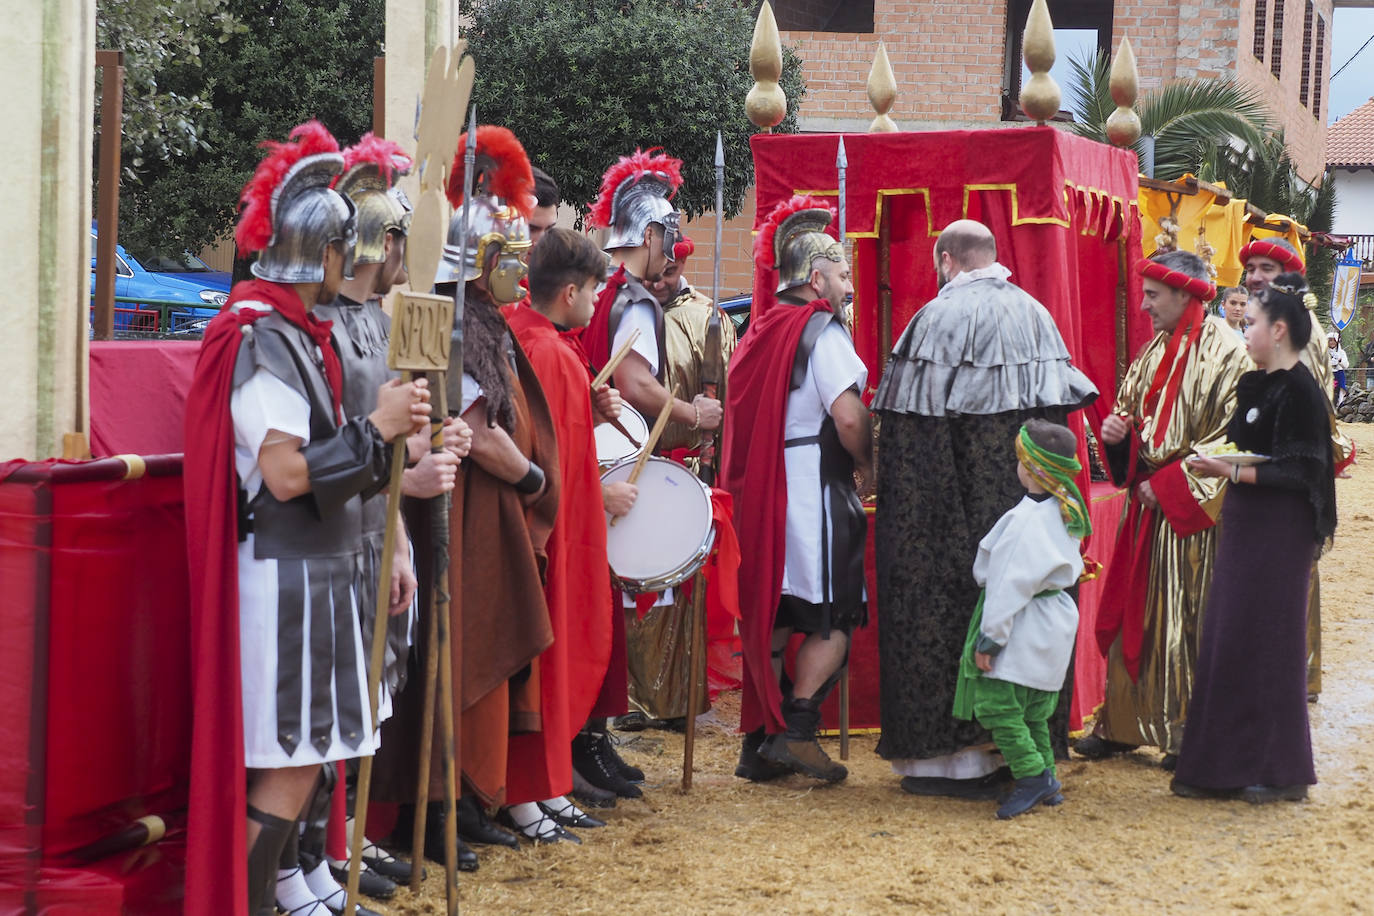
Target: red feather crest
[(763, 245), (503, 169), (636, 165), (386, 154), (254, 230)]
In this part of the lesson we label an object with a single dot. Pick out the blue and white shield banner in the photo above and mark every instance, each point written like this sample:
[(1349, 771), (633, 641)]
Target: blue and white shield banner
[(1345, 291)]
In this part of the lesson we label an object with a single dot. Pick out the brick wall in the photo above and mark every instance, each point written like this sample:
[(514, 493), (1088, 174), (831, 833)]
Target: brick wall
[(1305, 128)]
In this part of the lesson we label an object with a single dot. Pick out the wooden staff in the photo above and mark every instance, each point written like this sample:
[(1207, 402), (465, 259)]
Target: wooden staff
[(697, 660), (648, 448), (844, 712), (604, 375), (377, 660)]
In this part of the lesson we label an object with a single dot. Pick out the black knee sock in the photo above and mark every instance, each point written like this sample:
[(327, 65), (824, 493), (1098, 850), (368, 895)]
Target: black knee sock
[(316, 819)]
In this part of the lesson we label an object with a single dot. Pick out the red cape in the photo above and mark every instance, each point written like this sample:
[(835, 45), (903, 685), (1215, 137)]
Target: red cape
[(754, 473), (216, 863), (596, 336), (578, 587)]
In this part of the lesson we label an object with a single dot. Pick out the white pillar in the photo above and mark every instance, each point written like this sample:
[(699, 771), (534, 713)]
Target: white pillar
[(48, 63)]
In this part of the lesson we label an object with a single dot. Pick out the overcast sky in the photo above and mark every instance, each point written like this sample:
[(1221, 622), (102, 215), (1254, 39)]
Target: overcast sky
[(1355, 85)]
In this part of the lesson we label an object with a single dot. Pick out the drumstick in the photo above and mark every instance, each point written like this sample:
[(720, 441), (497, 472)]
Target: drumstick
[(648, 449), (614, 361), (619, 427)]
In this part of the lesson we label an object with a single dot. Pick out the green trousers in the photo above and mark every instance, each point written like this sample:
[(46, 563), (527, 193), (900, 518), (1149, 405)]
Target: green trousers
[(1018, 718)]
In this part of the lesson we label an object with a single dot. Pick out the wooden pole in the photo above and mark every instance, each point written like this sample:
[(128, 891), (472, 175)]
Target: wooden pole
[(696, 659), (844, 712), (430, 686), (107, 195), (377, 661), (379, 96)]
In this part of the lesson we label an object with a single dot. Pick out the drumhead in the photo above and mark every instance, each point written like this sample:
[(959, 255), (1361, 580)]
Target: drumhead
[(611, 444), (668, 533)]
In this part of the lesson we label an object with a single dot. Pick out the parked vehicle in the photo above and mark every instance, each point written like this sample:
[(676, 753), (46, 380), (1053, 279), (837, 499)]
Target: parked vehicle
[(737, 307), (186, 266), (148, 302)]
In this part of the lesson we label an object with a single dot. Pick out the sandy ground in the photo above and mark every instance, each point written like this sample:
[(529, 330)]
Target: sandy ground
[(1121, 841)]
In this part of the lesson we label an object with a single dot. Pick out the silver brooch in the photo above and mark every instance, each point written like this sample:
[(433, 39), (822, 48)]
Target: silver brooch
[(1252, 415)]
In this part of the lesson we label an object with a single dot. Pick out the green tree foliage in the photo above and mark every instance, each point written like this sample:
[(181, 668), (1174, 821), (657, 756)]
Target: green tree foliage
[(582, 84), (293, 60), (1188, 118), (160, 39)]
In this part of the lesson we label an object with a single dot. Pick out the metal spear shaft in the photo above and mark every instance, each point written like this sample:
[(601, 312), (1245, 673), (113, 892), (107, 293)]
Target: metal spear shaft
[(841, 167)]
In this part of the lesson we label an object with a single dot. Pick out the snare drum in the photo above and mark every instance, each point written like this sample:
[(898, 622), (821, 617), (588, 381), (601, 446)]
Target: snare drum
[(611, 444), (668, 534)]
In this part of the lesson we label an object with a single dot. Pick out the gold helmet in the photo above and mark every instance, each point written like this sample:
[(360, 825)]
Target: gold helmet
[(793, 236), (370, 172)]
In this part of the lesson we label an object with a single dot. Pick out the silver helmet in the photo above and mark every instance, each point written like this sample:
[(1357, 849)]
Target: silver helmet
[(307, 216), (635, 194), (372, 167)]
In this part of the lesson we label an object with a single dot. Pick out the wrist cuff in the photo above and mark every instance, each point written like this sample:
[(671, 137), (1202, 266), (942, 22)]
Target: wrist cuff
[(532, 481)]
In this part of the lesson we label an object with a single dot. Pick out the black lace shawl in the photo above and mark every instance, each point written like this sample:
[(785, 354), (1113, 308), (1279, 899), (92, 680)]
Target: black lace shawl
[(1283, 414)]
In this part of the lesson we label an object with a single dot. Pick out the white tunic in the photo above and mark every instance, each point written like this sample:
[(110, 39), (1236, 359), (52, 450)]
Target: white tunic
[(264, 403), (1027, 552), (833, 368), (639, 315)]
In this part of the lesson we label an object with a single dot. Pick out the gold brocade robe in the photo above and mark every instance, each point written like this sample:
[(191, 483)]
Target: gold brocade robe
[(657, 646), (1151, 709)]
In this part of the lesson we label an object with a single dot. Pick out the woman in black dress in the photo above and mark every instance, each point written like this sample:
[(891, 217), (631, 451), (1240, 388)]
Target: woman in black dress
[(1246, 734)]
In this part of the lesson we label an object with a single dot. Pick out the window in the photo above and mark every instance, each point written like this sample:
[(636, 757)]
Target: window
[(1082, 28), (1319, 64), (1276, 42), (1261, 22), (1305, 91), (824, 15)]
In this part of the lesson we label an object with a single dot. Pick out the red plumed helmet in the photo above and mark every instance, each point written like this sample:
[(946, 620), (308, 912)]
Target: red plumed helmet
[(254, 230), (502, 167), (637, 165), (386, 154), (764, 251), (684, 249)]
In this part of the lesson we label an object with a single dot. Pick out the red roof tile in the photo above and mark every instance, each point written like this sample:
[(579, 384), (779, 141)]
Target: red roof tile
[(1350, 141)]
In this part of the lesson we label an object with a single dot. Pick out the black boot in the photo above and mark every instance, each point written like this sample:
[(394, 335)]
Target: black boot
[(752, 765), (589, 795), (1029, 792), (631, 773), (475, 827), (797, 748), (590, 757), (263, 859)]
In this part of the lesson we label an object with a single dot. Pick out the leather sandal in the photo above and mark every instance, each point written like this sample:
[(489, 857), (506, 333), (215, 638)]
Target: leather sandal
[(570, 815), (543, 830)]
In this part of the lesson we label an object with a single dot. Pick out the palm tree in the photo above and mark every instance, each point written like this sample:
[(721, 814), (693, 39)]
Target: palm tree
[(1190, 119)]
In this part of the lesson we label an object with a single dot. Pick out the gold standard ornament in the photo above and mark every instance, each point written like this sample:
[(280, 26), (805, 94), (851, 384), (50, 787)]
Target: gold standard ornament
[(882, 92), (766, 103), (1123, 125), (1040, 96)]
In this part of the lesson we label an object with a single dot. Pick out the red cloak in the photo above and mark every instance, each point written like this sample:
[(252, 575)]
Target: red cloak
[(216, 864), (578, 585), (754, 472)]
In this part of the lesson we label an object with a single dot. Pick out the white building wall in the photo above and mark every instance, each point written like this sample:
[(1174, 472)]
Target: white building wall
[(1354, 201)]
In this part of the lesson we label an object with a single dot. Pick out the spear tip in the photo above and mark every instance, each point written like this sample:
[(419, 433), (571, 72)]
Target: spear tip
[(841, 160), (720, 152)]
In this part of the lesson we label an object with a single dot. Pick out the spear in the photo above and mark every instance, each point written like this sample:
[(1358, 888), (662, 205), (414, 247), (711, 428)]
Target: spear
[(841, 167)]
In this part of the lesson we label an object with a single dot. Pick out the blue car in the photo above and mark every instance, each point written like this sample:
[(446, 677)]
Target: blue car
[(151, 302), (188, 267)]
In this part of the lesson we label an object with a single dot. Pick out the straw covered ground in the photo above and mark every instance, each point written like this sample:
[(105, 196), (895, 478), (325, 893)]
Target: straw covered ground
[(1121, 841)]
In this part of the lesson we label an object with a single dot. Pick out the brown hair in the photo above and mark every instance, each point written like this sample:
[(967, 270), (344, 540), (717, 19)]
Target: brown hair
[(559, 258), (1052, 437)]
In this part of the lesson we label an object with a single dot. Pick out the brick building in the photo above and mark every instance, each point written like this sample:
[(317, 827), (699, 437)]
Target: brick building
[(958, 65)]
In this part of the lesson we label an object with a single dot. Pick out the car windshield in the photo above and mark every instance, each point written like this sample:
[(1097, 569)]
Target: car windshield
[(165, 262)]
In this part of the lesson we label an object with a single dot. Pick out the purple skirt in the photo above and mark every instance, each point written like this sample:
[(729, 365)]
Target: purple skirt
[(1247, 721)]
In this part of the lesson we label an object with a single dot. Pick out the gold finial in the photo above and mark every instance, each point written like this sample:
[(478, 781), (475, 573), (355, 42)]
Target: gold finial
[(766, 103), (1039, 97), (882, 91), (1123, 125)]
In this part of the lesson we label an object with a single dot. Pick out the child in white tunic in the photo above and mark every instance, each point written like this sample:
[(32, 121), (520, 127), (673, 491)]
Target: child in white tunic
[(1023, 631)]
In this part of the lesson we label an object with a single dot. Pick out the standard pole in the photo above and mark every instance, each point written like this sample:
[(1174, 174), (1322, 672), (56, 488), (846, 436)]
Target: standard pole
[(696, 659), (107, 195)]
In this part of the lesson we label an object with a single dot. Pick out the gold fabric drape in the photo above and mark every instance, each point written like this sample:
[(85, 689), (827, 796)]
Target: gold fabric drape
[(684, 324), (1151, 709)]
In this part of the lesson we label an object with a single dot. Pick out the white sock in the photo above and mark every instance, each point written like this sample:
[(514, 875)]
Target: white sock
[(528, 813), (562, 806), (323, 885), (295, 896)]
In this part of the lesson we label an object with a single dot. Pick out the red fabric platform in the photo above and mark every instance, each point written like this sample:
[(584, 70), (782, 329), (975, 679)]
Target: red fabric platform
[(138, 395), (93, 675)]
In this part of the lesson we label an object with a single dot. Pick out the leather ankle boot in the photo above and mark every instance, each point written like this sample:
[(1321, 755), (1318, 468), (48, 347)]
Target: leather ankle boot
[(797, 748), (752, 765)]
